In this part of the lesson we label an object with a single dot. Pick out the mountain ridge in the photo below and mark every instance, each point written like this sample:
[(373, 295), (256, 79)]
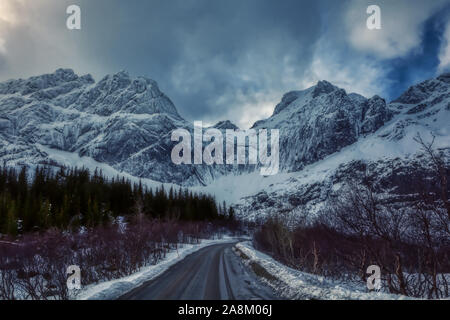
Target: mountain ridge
[(126, 123)]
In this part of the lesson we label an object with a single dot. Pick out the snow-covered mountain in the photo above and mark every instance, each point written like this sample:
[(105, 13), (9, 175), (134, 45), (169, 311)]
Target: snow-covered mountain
[(321, 120), (373, 141), (120, 121), (326, 135)]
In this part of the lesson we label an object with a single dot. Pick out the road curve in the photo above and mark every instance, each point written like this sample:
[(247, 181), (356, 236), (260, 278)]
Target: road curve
[(212, 273)]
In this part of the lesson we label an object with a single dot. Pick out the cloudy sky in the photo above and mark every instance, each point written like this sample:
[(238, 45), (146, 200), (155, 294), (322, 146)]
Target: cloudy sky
[(231, 59)]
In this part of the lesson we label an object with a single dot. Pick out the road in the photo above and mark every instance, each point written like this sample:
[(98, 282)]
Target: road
[(212, 273)]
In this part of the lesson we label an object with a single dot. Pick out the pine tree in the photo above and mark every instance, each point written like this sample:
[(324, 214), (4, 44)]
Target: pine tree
[(73, 197), (231, 214), (11, 222), (44, 215)]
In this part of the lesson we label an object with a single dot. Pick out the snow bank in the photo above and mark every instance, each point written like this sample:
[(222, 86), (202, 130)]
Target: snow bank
[(294, 284)]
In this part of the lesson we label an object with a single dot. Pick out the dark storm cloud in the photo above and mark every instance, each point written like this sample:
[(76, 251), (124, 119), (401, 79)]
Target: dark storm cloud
[(201, 52), (419, 65), (230, 59)]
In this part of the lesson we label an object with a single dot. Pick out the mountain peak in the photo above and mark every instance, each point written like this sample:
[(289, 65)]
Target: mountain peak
[(424, 90), (114, 93), (65, 73), (123, 81), (42, 82), (287, 99), (227, 124), (445, 77), (113, 82), (323, 87)]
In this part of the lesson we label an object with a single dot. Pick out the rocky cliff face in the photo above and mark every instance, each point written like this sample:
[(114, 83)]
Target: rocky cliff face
[(321, 120)]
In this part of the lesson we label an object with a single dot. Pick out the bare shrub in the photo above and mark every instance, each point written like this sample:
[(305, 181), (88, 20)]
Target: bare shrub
[(35, 267), (360, 227)]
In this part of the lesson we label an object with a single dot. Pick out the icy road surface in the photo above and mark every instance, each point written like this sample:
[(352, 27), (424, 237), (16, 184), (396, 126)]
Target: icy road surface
[(212, 273)]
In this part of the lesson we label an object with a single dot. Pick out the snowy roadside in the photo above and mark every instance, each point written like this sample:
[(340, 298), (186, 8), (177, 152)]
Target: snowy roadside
[(114, 289), (294, 284)]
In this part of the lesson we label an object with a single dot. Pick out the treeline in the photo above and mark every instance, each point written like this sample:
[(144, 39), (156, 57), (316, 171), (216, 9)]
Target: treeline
[(71, 198)]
